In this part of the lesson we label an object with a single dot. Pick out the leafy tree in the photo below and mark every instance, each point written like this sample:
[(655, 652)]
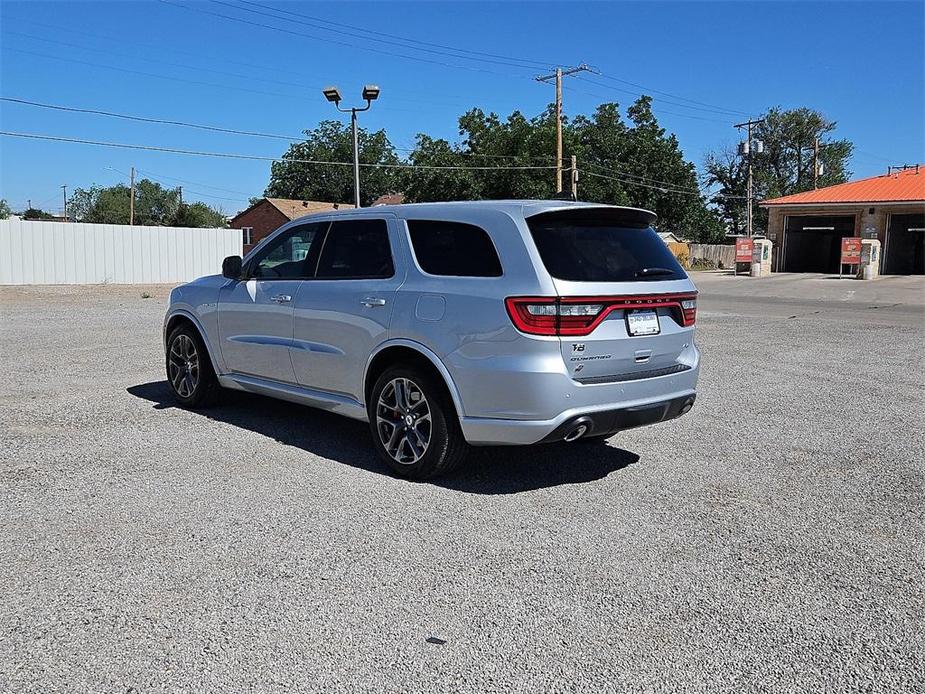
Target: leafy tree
[(332, 141), (786, 165), (197, 215), (5, 210), (36, 214), (154, 206)]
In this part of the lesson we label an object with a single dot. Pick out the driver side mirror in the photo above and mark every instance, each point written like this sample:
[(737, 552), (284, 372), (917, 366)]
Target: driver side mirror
[(231, 267)]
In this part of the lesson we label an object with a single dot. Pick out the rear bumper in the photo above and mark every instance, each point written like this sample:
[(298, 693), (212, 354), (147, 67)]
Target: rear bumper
[(601, 420)]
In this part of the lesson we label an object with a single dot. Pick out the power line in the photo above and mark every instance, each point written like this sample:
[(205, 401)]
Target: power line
[(535, 63), (506, 61), (162, 121), (233, 131), (188, 190), (670, 95), (337, 42), (677, 104), (663, 189), (254, 157)]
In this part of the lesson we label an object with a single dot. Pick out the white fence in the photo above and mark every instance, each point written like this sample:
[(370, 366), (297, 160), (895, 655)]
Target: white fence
[(77, 253)]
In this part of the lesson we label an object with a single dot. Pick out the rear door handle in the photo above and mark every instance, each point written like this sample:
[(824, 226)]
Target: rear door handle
[(282, 298), (371, 301)]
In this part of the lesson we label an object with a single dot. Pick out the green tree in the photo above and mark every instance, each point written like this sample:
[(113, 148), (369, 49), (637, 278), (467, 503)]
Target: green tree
[(332, 141), (154, 206), (5, 210), (786, 165), (198, 215), (36, 214)]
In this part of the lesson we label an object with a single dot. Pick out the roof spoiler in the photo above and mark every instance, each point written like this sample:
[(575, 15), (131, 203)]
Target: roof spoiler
[(618, 216)]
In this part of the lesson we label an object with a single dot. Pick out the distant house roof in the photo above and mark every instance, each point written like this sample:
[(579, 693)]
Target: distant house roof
[(299, 208), (389, 199), (907, 185), (293, 209)]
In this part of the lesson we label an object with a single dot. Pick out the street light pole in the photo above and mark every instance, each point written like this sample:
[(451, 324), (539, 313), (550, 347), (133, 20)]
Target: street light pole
[(370, 94), (356, 158)]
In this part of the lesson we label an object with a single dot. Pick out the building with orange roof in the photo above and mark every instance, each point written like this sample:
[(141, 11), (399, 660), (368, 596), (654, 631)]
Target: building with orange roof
[(807, 227)]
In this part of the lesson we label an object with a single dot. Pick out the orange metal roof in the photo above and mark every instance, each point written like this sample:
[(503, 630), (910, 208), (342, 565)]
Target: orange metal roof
[(907, 185)]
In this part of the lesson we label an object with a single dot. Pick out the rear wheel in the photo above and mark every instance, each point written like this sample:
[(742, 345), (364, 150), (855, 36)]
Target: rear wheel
[(189, 369), (414, 424)]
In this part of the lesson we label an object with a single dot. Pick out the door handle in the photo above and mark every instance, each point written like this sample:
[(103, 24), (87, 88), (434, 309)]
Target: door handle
[(371, 301), (281, 298)]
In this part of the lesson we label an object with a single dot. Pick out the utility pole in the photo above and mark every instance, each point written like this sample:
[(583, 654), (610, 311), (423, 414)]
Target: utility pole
[(574, 177), (64, 188), (557, 76), (29, 203), (747, 151), (180, 191), (131, 200)]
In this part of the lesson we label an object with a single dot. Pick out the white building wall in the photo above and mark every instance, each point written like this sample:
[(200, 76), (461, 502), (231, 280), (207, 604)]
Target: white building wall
[(77, 253)]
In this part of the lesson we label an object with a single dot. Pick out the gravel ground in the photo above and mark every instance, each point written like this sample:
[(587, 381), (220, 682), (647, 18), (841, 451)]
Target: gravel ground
[(772, 540)]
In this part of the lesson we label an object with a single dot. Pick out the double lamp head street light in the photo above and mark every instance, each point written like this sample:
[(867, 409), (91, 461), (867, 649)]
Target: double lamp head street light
[(370, 94)]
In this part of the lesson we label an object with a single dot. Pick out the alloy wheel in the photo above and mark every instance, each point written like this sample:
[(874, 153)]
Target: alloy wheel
[(183, 365), (403, 421)]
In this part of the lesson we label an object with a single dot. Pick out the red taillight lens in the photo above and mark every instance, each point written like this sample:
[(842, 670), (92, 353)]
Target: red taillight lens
[(534, 316), (581, 315)]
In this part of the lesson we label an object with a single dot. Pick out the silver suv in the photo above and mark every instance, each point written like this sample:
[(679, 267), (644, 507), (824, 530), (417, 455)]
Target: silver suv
[(449, 325)]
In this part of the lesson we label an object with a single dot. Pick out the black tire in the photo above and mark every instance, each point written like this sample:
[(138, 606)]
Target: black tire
[(445, 447), (192, 380)]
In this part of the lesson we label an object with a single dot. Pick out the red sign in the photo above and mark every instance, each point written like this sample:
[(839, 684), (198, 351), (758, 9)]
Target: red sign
[(744, 249), (851, 251)]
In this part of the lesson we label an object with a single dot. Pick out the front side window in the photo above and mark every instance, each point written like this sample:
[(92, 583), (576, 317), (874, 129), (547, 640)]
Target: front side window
[(289, 255), (453, 249), (357, 249), (597, 250)]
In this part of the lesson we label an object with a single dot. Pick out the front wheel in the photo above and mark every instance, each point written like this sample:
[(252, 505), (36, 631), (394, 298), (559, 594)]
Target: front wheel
[(414, 424), (189, 369)]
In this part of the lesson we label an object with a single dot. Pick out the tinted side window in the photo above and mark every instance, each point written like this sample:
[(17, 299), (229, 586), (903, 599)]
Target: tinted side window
[(289, 255), (453, 248), (357, 249)]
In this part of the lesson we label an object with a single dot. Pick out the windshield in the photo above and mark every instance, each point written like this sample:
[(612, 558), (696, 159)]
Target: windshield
[(590, 251)]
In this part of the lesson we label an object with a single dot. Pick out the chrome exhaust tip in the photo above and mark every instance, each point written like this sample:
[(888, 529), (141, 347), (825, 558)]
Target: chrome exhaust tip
[(580, 428)]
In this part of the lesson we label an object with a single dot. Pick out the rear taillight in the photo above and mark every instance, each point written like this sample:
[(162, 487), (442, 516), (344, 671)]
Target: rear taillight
[(688, 311), (581, 315)]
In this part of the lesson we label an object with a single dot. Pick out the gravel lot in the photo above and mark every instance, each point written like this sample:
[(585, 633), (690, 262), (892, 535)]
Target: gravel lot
[(772, 540)]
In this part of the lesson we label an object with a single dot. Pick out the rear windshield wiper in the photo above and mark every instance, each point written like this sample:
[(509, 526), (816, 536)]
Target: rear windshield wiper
[(654, 272)]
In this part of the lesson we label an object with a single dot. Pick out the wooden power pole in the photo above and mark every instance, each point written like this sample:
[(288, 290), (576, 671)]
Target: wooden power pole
[(557, 76), (574, 177), (748, 153), (64, 189), (815, 163), (131, 200)]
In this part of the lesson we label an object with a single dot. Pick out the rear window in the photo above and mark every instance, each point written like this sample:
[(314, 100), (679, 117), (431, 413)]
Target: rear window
[(454, 249), (597, 251)]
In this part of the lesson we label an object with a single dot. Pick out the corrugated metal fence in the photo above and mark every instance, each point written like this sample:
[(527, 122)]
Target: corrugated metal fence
[(77, 253)]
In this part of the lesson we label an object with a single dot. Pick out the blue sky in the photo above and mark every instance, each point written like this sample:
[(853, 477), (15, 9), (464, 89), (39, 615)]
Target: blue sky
[(861, 63)]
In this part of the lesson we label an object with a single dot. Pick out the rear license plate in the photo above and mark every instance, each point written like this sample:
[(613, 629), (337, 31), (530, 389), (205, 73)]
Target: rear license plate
[(642, 322)]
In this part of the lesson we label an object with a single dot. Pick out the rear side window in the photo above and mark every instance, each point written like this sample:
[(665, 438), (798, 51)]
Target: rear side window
[(585, 250), (454, 249), (356, 249)]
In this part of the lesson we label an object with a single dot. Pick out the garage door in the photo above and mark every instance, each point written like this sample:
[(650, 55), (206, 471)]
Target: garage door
[(813, 244), (905, 245)]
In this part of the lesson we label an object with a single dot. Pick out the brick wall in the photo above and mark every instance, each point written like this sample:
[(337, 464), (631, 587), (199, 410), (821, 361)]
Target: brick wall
[(264, 218)]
